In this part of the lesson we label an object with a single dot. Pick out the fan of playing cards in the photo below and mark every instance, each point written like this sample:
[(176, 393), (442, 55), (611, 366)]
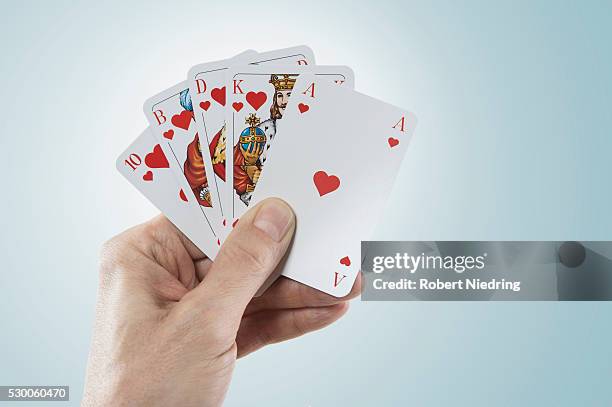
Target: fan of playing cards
[(330, 152)]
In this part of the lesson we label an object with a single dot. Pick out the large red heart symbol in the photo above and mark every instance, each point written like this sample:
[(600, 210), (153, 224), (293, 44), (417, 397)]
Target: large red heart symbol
[(345, 261), (237, 106), (169, 134), (205, 105), (303, 108), (182, 120), (148, 176), (325, 183), (218, 94), (182, 195), (256, 99), (156, 158), (393, 142)]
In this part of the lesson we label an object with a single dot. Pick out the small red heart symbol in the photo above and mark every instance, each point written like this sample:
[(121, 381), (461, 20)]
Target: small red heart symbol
[(182, 120), (346, 261), (303, 108), (156, 158), (182, 195), (393, 142), (235, 223), (237, 106), (218, 94), (205, 105), (148, 176), (325, 183), (169, 134), (256, 99)]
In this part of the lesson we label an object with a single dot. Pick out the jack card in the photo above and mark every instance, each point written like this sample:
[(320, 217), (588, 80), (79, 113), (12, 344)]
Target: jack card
[(171, 118)]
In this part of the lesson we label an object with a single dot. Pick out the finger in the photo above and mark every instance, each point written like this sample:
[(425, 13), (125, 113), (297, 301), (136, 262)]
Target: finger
[(163, 243), (134, 269), (287, 293), (189, 253), (249, 255), (193, 250), (268, 327)]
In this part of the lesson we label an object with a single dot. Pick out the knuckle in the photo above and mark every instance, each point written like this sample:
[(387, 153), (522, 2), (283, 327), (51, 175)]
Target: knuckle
[(108, 249), (109, 257), (227, 359), (116, 255), (219, 335)]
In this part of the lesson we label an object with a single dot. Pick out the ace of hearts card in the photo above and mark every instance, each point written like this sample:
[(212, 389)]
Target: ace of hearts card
[(337, 186)]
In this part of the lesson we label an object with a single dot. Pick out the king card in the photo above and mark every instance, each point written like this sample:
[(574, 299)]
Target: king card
[(257, 100), (208, 90)]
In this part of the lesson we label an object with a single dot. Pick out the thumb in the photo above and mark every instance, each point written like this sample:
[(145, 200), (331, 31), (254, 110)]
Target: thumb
[(248, 256)]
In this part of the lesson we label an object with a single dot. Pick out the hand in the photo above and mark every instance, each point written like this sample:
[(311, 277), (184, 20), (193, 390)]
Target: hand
[(170, 323), (251, 153)]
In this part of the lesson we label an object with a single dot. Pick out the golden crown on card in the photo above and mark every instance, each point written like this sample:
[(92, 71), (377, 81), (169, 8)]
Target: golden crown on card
[(283, 81)]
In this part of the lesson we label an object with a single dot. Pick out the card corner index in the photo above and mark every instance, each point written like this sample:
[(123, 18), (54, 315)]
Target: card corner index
[(162, 96), (343, 291), (307, 52), (147, 107), (193, 72), (121, 157)]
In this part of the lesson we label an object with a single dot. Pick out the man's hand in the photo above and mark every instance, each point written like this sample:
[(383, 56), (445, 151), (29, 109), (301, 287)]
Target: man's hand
[(170, 323)]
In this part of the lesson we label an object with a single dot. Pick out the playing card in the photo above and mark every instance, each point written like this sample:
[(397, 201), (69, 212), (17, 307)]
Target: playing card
[(145, 166), (335, 160), (171, 117), (256, 102), (208, 92), (208, 102)]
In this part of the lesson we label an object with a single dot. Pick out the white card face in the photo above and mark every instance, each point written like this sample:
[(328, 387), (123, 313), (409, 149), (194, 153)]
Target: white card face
[(146, 166), (257, 98), (208, 92), (335, 160), (171, 119)]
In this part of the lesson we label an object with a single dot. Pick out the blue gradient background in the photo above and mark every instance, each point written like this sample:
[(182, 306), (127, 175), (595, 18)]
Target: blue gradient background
[(513, 142)]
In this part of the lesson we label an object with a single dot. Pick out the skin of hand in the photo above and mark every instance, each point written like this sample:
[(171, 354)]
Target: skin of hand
[(170, 323)]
